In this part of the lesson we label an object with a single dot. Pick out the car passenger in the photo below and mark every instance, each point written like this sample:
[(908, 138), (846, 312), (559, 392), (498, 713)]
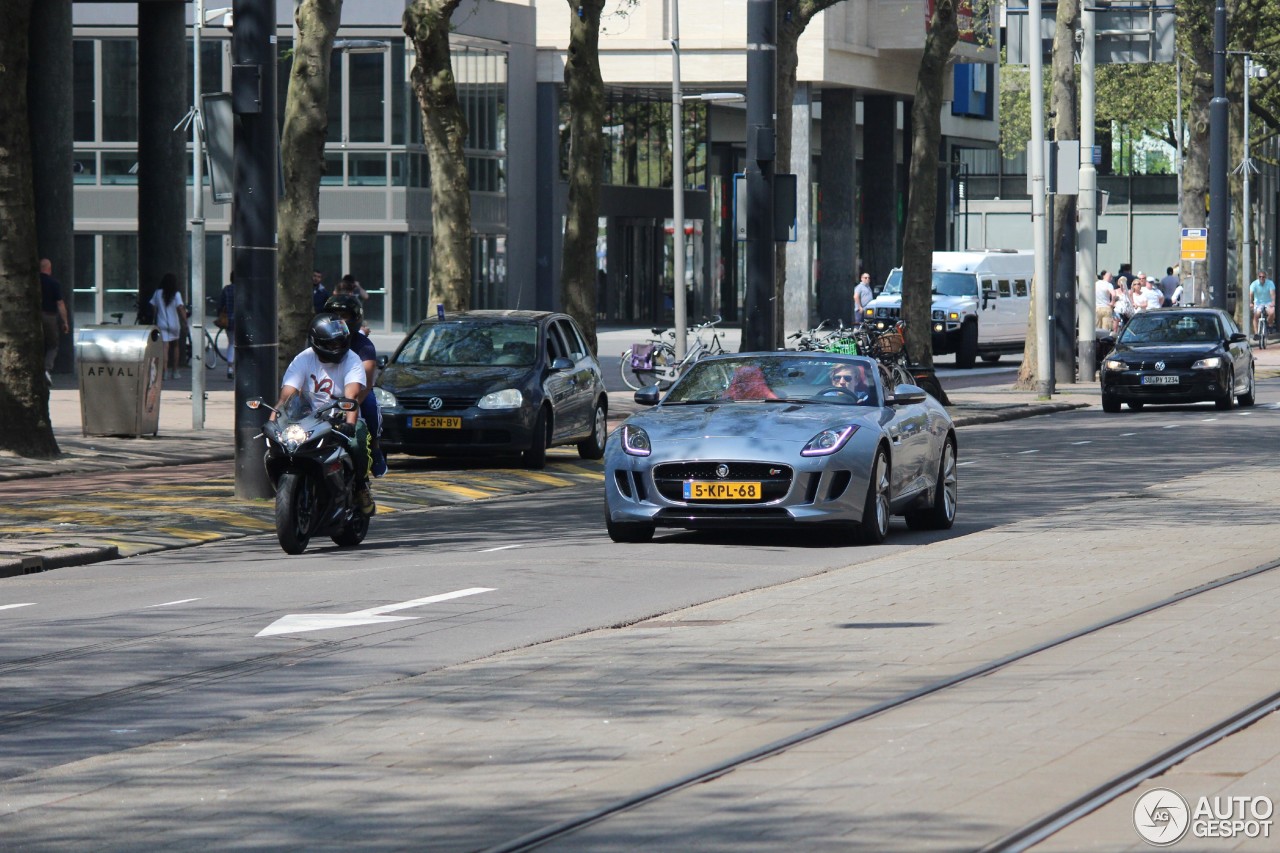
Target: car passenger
[(748, 383)]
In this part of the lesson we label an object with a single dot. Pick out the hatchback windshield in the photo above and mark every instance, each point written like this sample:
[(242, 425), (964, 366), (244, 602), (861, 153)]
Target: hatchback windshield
[(845, 381), (1167, 327), (471, 343), (944, 284)]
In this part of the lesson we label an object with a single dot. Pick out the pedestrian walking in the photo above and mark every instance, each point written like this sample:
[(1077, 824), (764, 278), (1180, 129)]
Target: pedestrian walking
[(53, 315), (1169, 285), (1104, 300), (1155, 297), (171, 318), (1124, 308), (319, 293), (862, 296), (227, 321)]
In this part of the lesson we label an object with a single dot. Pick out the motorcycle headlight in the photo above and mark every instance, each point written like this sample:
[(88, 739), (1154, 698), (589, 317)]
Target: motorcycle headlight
[(295, 434), (636, 441), (829, 441), (506, 399), (1208, 363), (385, 398), (1114, 364)]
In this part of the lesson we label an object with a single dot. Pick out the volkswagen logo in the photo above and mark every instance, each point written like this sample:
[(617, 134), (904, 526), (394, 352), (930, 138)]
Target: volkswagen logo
[(1159, 365), (722, 470), (434, 403)]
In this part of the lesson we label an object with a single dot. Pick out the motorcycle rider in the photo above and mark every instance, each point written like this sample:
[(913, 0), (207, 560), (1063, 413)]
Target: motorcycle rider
[(327, 364), (349, 308)]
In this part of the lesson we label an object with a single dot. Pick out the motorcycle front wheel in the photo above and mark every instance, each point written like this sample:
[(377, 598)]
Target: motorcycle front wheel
[(295, 511)]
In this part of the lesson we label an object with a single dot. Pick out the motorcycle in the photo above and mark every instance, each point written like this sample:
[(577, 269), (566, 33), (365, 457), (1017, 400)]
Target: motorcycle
[(311, 467)]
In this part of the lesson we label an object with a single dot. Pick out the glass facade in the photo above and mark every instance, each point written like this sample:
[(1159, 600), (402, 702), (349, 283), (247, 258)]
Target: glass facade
[(374, 142)]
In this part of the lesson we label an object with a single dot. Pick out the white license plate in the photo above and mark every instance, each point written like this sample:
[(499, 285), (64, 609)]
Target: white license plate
[(1159, 380)]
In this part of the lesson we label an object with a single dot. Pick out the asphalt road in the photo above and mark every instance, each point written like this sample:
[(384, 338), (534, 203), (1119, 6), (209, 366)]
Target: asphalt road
[(110, 656)]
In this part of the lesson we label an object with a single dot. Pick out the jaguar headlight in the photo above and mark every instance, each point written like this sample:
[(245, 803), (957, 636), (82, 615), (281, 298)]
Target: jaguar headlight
[(509, 398), (635, 441), (1208, 363), (1114, 364), (829, 441), (385, 398)]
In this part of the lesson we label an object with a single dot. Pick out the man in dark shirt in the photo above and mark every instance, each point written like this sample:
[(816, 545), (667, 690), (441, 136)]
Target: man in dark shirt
[(53, 312), (319, 293), (348, 307), (1168, 285)]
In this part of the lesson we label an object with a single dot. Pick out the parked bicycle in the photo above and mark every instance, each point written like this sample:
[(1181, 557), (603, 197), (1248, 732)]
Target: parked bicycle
[(654, 362)]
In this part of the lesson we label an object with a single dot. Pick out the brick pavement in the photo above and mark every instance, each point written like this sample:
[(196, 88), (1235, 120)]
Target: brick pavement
[(482, 752)]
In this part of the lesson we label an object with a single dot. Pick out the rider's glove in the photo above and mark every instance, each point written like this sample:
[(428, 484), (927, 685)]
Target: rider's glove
[(349, 430)]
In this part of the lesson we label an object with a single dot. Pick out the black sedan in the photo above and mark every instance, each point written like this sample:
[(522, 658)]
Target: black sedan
[(493, 382), (1179, 355)]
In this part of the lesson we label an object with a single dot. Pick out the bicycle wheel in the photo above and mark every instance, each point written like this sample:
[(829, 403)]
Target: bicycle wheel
[(1262, 330), (210, 352), (220, 341)]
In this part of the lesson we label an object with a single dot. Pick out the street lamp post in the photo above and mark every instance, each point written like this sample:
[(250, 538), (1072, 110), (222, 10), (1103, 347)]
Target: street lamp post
[(679, 305), (1251, 70)]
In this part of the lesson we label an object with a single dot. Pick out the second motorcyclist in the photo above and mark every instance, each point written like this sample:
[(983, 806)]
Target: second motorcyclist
[(348, 307), (324, 371)]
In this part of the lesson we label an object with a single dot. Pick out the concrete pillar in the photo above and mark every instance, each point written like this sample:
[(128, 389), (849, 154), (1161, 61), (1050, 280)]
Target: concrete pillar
[(49, 95), (163, 97), (882, 239), (797, 297), (837, 216)]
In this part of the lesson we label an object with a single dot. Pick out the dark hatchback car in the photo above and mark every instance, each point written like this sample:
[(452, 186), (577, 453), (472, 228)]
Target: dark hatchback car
[(1179, 355), (484, 383)]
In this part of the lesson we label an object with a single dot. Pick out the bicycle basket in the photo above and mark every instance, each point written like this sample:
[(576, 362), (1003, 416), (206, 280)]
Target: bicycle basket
[(890, 343), (842, 346), (642, 356)]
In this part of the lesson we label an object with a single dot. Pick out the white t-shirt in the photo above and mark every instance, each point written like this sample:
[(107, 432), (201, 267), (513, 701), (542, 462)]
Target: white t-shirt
[(321, 382), (167, 319), (1155, 296), (1102, 293)]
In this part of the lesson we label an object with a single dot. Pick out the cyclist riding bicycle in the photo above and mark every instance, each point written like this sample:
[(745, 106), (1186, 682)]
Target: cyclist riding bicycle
[(1263, 293)]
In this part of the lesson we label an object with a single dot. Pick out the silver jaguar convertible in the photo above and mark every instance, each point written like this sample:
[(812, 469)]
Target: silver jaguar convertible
[(754, 440)]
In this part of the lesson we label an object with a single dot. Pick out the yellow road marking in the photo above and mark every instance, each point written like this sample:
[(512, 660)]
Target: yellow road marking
[(461, 491), (539, 477)]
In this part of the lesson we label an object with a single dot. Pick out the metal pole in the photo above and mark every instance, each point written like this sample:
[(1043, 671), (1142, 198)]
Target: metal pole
[(1087, 227), (1218, 198), (1044, 362), (197, 232), (681, 320), (253, 232), (1246, 166), (762, 49)]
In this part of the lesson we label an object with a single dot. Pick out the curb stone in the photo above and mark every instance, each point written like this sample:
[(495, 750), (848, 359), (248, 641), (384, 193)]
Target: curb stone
[(44, 557), (1014, 413)]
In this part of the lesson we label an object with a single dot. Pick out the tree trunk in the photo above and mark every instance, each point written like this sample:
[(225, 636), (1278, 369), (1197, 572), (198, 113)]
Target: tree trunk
[(306, 121), (1066, 126), (584, 93), (24, 393), (922, 199), (444, 129)]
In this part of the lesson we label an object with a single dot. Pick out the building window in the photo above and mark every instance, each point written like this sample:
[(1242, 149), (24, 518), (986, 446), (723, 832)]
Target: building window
[(119, 90), (84, 128), (365, 118)]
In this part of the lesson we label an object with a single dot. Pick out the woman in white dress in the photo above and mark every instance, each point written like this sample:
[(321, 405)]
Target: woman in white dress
[(171, 319)]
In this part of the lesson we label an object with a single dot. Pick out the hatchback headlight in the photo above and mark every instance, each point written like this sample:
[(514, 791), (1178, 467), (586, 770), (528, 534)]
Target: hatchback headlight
[(1114, 364), (635, 441), (385, 398), (828, 441), (509, 398), (1208, 363)]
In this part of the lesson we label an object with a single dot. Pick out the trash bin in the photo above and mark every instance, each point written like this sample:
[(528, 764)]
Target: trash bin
[(120, 379)]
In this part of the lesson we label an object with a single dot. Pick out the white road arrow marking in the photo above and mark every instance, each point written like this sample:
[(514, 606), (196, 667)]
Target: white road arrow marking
[(299, 622), (171, 603), (11, 606)]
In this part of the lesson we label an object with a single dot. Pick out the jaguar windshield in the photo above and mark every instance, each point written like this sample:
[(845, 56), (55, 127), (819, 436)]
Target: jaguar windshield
[(944, 284)]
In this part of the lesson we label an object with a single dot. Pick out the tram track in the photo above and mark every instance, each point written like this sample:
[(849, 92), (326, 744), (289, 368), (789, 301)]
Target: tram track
[(1022, 838)]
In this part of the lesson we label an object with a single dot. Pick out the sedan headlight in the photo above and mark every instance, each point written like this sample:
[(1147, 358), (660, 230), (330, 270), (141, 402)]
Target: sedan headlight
[(1114, 364), (385, 398), (828, 441), (506, 399), (635, 441), (1208, 363)]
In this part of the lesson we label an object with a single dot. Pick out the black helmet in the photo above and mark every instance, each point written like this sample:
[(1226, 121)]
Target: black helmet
[(346, 303), (329, 337)]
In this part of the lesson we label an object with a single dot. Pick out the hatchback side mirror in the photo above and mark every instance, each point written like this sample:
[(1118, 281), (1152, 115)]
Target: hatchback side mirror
[(560, 364), (382, 361), (1237, 337)]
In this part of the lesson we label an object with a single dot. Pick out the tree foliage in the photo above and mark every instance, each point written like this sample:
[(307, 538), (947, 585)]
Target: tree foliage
[(306, 122), (24, 393)]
